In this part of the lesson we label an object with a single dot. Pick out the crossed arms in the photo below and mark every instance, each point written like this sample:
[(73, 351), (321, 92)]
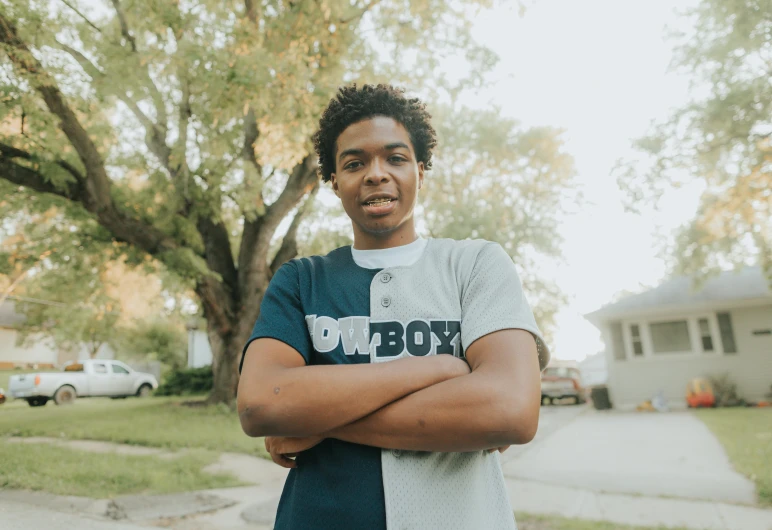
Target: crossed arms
[(433, 403)]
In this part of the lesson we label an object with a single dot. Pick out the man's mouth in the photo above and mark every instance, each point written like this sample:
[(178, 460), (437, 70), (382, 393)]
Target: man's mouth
[(377, 202)]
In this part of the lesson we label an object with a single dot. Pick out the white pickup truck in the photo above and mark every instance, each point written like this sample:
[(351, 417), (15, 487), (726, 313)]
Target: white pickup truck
[(89, 378)]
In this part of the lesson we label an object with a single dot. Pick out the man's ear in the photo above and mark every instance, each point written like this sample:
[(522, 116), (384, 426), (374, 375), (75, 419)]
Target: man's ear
[(334, 182), (420, 174)]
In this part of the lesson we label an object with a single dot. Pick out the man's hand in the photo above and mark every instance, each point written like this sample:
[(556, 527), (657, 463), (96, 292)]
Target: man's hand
[(499, 449), (284, 449)]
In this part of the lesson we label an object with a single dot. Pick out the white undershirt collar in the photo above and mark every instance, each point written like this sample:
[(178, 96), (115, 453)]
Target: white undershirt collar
[(383, 258)]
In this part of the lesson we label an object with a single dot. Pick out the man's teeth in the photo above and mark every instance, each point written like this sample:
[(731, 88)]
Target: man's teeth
[(379, 201)]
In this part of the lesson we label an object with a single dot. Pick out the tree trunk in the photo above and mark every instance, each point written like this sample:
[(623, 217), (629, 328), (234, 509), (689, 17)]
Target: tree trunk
[(226, 354), (94, 349)]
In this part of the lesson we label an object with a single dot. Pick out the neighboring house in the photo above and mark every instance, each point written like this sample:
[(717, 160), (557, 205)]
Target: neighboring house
[(199, 350), (39, 351), (594, 371), (659, 340)]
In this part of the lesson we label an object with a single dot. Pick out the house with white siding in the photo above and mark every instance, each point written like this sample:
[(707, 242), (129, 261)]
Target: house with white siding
[(38, 352), (658, 340)]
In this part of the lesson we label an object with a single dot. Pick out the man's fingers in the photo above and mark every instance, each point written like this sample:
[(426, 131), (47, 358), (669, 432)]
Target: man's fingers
[(502, 449), (283, 461)]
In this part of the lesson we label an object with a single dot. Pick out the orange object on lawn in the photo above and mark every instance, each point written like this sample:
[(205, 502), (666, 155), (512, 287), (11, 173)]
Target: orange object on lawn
[(699, 393)]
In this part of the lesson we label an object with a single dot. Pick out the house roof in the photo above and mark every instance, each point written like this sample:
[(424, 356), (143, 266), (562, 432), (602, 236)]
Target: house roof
[(9, 318), (745, 284)]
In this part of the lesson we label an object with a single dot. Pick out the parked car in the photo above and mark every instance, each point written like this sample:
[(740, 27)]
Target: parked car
[(90, 378), (561, 382), (2, 396)]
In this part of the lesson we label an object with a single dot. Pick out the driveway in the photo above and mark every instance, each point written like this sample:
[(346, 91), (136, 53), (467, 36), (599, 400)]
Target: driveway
[(23, 516), (654, 454)]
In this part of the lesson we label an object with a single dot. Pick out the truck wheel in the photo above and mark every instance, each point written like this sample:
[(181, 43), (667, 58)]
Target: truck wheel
[(546, 400), (144, 391), (65, 395), (37, 401)]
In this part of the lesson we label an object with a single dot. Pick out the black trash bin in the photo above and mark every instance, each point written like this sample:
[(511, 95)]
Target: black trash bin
[(600, 397)]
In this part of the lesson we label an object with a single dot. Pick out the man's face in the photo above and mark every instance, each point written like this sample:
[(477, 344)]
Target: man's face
[(377, 179)]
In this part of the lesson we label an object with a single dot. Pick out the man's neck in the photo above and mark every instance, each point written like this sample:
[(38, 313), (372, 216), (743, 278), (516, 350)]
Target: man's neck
[(369, 241)]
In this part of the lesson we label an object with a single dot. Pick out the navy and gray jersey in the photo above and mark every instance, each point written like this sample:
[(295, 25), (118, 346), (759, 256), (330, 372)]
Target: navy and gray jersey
[(334, 312)]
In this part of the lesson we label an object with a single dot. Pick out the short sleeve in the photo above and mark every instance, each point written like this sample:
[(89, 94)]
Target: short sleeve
[(281, 314), (493, 299)]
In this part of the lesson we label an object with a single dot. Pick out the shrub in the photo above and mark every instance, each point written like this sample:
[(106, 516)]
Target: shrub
[(186, 381), (725, 390)]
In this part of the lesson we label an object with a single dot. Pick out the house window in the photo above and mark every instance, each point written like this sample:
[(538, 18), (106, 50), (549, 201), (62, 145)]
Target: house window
[(670, 337), (727, 334), (706, 337), (617, 342), (635, 335)]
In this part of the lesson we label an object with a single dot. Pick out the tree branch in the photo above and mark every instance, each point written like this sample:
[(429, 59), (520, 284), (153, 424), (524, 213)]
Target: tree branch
[(81, 15), (8, 152), (359, 14), (301, 180), (28, 177), (155, 94), (250, 10), (289, 245), (251, 134), (182, 132), (97, 182), (124, 27), (256, 239), (155, 137)]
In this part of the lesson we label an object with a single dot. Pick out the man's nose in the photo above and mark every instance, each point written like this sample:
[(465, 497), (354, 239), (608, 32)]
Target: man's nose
[(377, 172)]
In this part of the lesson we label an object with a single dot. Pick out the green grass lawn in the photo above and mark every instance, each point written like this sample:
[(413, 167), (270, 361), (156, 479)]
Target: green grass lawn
[(746, 434), (154, 422), (63, 471), (542, 522)]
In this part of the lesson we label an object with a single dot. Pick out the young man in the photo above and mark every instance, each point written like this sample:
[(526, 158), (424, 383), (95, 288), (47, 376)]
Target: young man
[(345, 369)]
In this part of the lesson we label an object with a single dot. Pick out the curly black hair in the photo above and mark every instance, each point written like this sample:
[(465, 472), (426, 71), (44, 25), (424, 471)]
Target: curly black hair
[(353, 104)]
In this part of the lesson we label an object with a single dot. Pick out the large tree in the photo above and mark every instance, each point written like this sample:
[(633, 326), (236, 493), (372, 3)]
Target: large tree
[(180, 130), (721, 138)]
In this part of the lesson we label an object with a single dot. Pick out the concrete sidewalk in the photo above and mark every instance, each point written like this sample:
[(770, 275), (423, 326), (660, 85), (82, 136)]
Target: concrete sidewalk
[(657, 455), (23, 516), (539, 498), (253, 508), (545, 499)]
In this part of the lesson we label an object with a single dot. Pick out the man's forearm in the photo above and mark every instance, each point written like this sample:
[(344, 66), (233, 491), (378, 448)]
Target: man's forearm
[(463, 414), (307, 400)]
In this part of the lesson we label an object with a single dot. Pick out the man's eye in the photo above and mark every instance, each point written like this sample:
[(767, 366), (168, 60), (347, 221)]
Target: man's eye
[(352, 165), (398, 159)]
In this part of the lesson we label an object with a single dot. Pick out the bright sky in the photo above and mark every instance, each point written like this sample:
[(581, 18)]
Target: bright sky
[(599, 70)]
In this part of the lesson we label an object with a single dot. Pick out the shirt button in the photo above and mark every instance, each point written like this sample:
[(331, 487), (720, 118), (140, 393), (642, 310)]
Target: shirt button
[(385, 277), (397, 453), (385, 301)]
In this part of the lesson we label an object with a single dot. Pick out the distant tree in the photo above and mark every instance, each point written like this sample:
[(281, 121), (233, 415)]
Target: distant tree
[(496, 180), (162, 340), (721, 138), (79, 291)]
